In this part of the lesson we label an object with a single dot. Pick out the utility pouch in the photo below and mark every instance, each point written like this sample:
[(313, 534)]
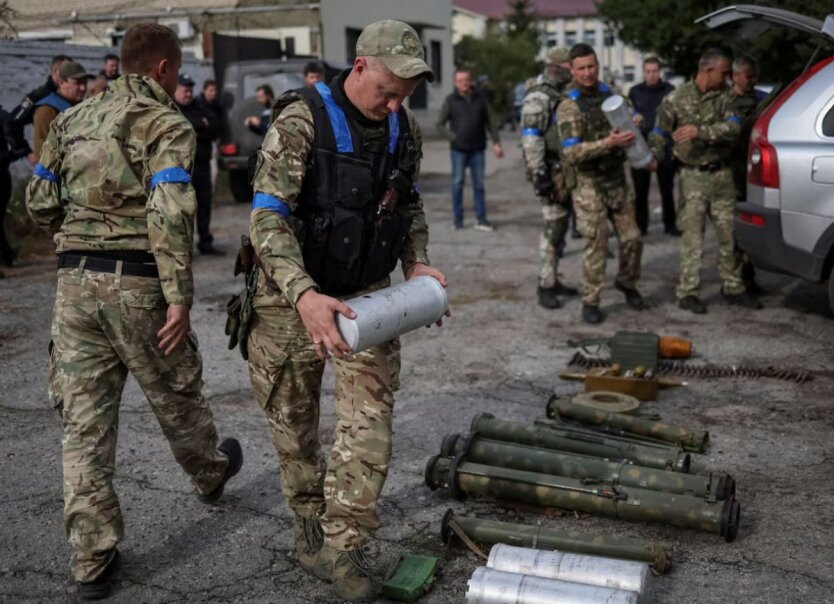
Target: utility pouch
[(386, 243), (239, 306)]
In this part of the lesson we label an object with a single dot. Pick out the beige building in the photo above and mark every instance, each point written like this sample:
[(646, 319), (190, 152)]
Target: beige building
[(560, 23)]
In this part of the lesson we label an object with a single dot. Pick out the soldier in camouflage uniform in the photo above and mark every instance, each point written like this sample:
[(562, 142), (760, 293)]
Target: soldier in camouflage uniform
[(596, 154), (698, 117), (113, 187), (540, 143), (319, 232), (745, 102)]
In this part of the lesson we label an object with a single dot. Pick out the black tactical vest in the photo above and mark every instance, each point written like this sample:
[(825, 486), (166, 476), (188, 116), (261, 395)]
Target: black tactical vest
[(346, 241)]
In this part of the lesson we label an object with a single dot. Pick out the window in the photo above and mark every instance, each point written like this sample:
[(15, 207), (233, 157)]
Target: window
[(280, 82), (570, 38), (609, 37), (550, 39), (828, 123), (437, 61), (351, 37), (628, 73), (590, 37)]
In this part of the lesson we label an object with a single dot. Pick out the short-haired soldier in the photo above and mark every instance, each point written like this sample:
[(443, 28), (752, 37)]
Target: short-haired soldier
[(113, 186)]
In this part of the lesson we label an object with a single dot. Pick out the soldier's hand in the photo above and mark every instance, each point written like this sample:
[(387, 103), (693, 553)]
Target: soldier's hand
[(543, 184), (684, 134), (424, 270), (318, 313), (619, 139), (498, 150), (175, 330), (652, 167)]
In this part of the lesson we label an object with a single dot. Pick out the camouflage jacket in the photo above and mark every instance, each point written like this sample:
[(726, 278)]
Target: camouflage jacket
[(583, 134), (114, 175), (539, 134), (280, 173), (718, 125), (745, 106)]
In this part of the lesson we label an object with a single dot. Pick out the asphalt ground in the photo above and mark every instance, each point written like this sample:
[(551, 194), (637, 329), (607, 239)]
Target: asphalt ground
[(499, 353)]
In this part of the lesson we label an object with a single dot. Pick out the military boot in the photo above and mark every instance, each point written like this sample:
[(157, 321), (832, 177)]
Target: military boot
[(693, 304), (350, 571), (633, 297), (99, 588), (592, 314), (548, 297), (309, 537), (744, 300), (231, 447)]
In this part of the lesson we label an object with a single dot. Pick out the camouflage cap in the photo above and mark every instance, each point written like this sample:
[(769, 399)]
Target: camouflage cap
[(398, 46), (72, 70), (557, 56)]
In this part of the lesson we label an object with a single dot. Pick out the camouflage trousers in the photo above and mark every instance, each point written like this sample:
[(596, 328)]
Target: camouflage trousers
[(104, 326), (555, 225), (286, 377), (707, 194), (596, 202)]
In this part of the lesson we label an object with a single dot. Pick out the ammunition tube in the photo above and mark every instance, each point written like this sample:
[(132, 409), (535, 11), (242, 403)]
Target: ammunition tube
[(629, 503), (596, 445), (488, 586), (578, 568), (591, 470), (690, 440), (524, 535)]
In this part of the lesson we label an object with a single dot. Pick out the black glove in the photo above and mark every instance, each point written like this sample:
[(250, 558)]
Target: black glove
[(543, 184)]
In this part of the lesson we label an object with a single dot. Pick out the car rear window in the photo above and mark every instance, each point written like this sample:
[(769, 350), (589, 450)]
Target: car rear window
[(280, 82)]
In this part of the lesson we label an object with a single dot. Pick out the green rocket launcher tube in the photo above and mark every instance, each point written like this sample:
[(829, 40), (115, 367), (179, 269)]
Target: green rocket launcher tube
[(490, 532), (596, 445), (690, 440), (464, 478), (590, 470)]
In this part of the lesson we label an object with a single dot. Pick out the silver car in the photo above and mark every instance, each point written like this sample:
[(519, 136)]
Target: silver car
[(786, 223)]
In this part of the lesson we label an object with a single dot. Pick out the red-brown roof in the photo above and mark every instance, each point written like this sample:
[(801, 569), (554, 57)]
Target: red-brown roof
[(498, 9)]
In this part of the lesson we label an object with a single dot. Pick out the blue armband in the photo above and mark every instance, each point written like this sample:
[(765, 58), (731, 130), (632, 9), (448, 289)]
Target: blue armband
[(734, 118), (175, 174), (270, 202), (660, 132), (570, 142), (41, 172), (531, 132)]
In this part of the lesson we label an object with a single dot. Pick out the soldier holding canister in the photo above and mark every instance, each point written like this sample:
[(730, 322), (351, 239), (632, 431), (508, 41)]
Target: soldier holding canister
[(596, 154), (319, 230)]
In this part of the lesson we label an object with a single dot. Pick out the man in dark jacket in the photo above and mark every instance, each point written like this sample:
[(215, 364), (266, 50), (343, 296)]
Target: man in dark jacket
[(11, 150), (469, 116), (201, 176), (209, 102), (646, 99)]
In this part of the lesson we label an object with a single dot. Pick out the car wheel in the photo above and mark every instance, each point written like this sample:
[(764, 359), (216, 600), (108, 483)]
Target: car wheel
[(239, 186)]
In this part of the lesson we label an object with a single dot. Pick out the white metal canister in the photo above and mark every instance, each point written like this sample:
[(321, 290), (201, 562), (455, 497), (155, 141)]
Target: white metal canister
[(618, 115), (393, 311), (578, 568), (488, 586)]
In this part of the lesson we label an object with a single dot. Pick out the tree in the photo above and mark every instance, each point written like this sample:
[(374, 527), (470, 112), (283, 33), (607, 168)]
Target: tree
[(668, 29)]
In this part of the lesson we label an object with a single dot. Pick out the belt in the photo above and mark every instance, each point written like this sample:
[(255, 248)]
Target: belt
[(711, 168), (107, 265)]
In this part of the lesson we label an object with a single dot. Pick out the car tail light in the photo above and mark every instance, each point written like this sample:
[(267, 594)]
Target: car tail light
[(753, 219), (762, 159), (228, 149)]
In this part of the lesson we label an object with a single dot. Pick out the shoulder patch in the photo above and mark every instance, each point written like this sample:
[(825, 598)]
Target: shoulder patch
[(574, 94)]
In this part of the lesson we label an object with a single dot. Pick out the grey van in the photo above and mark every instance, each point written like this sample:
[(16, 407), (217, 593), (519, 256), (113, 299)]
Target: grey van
[(786, 224)]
